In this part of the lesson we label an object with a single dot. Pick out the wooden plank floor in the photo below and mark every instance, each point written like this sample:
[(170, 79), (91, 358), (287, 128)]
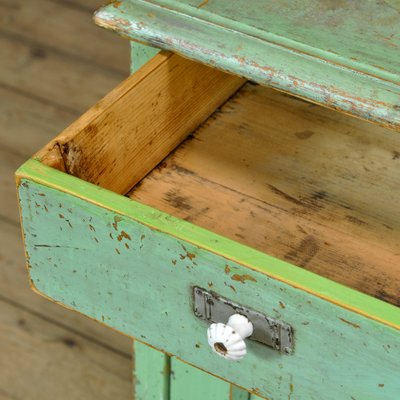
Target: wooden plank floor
[(54, 64)]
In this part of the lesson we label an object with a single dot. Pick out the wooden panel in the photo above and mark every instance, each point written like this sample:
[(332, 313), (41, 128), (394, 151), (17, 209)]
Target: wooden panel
[(127, 272), (48, 352), (63, 29), (312, 187), (137, 124), (151, 373), (344, 58), (9, 162), (56, 361), (54, 80), (87, 5), (191, 383), (28, 124)]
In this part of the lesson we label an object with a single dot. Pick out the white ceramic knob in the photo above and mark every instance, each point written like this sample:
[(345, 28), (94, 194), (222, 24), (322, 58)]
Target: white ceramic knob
[(227, 340)]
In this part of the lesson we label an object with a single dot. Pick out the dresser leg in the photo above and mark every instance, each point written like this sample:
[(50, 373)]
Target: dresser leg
[(157, 376), (151, 373)]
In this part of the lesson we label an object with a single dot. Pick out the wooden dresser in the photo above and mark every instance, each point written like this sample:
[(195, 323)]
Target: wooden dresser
[(249, 165)]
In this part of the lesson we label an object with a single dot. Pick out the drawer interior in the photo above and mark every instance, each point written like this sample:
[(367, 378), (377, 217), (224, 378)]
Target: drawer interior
[(305, 184)]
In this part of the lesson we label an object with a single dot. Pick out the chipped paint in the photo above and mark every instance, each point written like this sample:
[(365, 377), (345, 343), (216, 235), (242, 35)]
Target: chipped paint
[(131, 275), (243, 278), (202, 4), (365, 89), (115, 223), (350, 323), (123, 235)]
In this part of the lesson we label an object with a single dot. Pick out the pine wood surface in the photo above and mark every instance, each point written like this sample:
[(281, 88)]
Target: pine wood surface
[(140, 122), (54, 64), (307, 185)]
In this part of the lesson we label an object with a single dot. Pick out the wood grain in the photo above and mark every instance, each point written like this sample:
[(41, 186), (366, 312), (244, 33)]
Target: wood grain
[(86, 5), (31, 346), (299, 182), (58, 31), (57, 77), (9, 162), (27, 123), (49, 352), (123, 137)]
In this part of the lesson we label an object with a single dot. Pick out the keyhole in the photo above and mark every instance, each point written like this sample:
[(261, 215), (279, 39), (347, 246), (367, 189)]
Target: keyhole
[(220, 347)]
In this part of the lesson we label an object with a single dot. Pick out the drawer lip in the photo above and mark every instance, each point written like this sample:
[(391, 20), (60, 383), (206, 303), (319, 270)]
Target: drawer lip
[(282, 271), (305, 67)]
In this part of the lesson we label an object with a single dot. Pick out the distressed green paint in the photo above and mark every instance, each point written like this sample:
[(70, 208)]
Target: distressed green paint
[(345, 58), (141, 285), (280, 270), (140, 54), (151, 373), (160, 377), (374, 50), (148, 384), (239, 394), (189, 383)]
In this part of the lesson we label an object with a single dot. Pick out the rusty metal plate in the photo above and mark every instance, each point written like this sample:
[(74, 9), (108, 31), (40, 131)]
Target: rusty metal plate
[(211, 307)]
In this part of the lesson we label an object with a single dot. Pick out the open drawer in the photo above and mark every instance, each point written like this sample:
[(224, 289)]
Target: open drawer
[(271, 202)]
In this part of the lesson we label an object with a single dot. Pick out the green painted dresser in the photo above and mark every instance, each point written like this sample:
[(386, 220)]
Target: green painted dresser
[(250, 163)]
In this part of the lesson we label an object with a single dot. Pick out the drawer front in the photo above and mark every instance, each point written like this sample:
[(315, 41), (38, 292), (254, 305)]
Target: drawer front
[(134, 269)]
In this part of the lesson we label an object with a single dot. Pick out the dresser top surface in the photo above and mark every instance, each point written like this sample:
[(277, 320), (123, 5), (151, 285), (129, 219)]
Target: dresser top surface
[(362, 33), (340, 53)]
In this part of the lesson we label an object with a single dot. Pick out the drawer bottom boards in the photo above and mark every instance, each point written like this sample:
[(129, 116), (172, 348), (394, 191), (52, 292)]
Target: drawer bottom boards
[(266, 199), (299, 182)]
